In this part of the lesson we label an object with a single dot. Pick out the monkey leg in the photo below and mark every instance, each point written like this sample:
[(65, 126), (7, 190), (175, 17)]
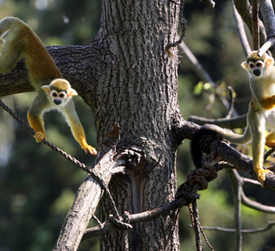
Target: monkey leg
[(36, 123), (10, 55), (270, 139), (257, 127), (77, 129), (79, 135)]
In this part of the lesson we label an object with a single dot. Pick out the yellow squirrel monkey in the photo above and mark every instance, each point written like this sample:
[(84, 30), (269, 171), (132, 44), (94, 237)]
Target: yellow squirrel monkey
[(53, 92), (260, 116)]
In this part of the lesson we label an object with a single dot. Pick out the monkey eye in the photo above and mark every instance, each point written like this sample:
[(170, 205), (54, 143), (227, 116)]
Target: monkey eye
[(62, 95), (259, 65), (251, 65), (54, 94)]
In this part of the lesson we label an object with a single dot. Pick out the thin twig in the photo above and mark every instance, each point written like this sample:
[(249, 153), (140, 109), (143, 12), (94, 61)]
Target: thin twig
[(244, 231), (256, 205), (201, 72)]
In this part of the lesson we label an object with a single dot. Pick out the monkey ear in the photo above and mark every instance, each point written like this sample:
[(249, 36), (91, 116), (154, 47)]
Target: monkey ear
[(244, 65), (269, 62), (72, 92), (46, 88)]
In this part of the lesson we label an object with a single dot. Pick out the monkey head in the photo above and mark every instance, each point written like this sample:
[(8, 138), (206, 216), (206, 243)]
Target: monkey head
[(256, 65), (59, 91)]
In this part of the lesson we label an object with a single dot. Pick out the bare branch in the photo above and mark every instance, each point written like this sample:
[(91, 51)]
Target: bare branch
[(252, 182), (236, 122), (228, 154), (241, 30), (244, 9), (256, 205), (267, 11), (236, 186), (196, 66), (201, 73), (244, 231), (88, 196)]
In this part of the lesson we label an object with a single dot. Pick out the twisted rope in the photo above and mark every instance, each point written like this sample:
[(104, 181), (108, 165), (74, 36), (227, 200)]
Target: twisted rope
[(65, 155)]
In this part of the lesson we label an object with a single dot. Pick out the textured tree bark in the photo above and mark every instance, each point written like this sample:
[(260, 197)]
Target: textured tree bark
[(138, 89)]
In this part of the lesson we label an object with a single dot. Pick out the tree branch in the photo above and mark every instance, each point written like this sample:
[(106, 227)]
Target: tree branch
[(234, 157), (88, 195), (236, 122), (236, 186), (241, 30), (245, 10), (244, 231), (267, 11)]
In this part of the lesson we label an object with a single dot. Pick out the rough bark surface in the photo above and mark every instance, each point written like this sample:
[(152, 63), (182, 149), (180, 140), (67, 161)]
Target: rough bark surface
[(138, 89)]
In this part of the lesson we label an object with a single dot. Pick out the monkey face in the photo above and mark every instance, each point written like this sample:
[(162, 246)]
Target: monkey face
[(256, 68), (58, 97)]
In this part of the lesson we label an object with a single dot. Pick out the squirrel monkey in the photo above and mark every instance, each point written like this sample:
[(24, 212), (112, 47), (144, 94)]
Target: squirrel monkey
[(53, 92), (261, 115)]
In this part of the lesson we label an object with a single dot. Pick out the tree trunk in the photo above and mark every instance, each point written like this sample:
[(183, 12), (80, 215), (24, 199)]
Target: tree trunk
[(138, 89)]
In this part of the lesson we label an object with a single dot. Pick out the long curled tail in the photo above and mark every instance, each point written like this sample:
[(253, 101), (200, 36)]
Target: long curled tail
[(196, 152)]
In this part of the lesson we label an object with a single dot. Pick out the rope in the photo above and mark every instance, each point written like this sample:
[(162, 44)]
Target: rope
[(65, 155)]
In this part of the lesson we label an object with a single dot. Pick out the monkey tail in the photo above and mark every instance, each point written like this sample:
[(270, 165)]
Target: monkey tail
[(196, 152)]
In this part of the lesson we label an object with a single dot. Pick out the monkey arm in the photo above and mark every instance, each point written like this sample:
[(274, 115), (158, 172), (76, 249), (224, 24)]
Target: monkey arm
[(35, 115), (76, 128)]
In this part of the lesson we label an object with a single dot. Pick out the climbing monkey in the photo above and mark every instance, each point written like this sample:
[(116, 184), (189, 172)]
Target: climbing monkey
[(260, 116), (18, 41)]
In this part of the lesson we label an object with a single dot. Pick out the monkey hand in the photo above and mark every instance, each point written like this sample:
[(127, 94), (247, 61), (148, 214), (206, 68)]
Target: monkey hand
[(261, 174), (88, 149), (39, 136)]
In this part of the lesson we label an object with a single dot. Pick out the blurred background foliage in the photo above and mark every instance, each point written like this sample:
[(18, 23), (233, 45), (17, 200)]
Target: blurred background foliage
[(37, 185)]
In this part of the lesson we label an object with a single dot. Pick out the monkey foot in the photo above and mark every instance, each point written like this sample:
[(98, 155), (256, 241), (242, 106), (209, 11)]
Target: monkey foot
[(39, 136), (261, 173), (90, 149)]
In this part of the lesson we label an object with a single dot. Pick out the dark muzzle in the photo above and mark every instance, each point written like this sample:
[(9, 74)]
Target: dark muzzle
[(57, 101), (257, 72)]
